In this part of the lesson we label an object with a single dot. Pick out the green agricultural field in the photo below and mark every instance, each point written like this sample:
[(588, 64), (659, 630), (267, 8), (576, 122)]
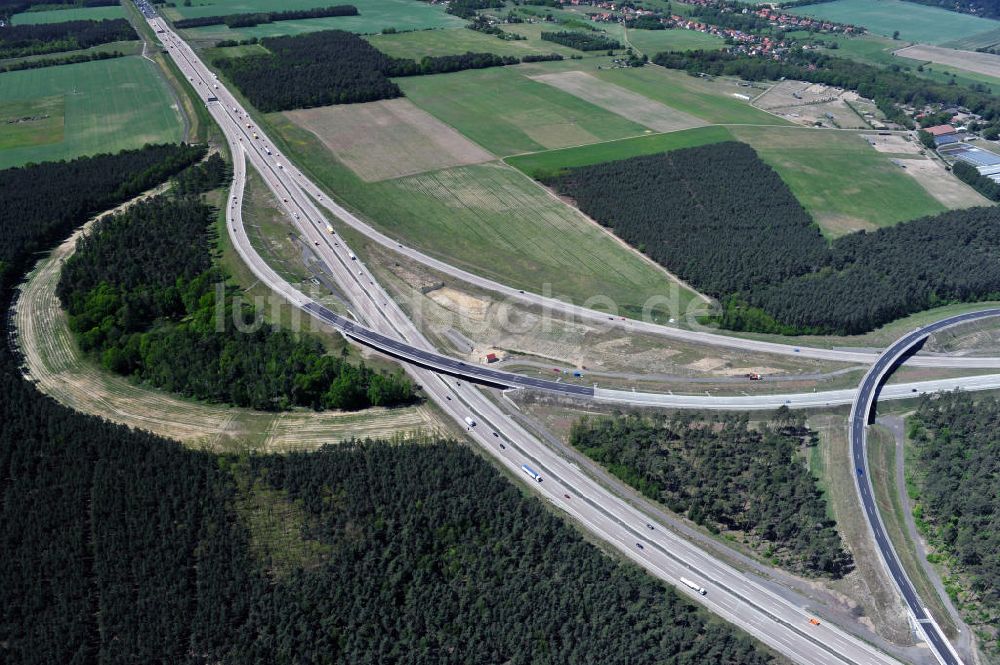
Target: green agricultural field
[(374, 16), (976, 41), (533, 33), (507, 113), (71, 14), (491, 220), (843, 183), (652, 42), (31, 122), (416, 45), (710, 100), (541, 164), (109, 105), (915, 23), (233, 51), (875, 50)]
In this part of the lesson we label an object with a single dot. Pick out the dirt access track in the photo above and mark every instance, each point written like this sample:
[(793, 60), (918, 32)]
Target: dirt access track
[(981, 63), (57, 367)]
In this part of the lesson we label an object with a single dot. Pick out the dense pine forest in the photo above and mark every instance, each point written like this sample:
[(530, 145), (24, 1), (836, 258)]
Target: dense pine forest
[(956, 472), (582, 41), (122, 547), (314, 69), (23, 40), (43, 202), (888, 86), (334, 67), (721, 219), (727, 475), (250, 20), (712, 214), (145, 298)]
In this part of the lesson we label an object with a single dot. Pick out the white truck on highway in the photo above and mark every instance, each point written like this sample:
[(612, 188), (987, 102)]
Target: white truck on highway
[(329, 228), (691, 585), (470, 422), (537, 477)]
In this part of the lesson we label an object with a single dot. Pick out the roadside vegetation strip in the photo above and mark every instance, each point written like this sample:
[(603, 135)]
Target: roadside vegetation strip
[(508, 113), (728, 476), (868, 591), (882, 452), (954, 478), (109, 105)]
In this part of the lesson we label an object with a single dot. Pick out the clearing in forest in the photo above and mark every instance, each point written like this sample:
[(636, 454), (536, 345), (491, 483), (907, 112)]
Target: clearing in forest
[(618, 100), (388, 138)]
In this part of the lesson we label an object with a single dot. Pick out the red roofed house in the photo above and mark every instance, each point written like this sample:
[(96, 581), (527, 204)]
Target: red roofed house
[(940, 130)]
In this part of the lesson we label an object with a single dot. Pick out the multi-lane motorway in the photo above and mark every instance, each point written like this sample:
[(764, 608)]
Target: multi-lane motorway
[(861, 414), (380, 322)]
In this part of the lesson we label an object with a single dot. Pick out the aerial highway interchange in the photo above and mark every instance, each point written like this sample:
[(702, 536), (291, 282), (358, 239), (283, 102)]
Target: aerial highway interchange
[(380, 323)]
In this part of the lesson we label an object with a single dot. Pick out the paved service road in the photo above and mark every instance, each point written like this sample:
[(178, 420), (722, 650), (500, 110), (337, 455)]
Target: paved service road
[(861, 414)]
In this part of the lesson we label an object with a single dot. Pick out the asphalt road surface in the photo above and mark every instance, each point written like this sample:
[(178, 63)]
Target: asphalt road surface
[(861, 414), (774, 620)]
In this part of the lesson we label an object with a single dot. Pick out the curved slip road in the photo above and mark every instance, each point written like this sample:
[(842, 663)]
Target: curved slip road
[(861, 415)]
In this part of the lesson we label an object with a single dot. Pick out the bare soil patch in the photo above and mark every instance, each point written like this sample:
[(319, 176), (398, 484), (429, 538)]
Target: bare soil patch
[(618, 100), (388, 139), (813, 104), (943, 186), (973, 61), (895, 144)]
